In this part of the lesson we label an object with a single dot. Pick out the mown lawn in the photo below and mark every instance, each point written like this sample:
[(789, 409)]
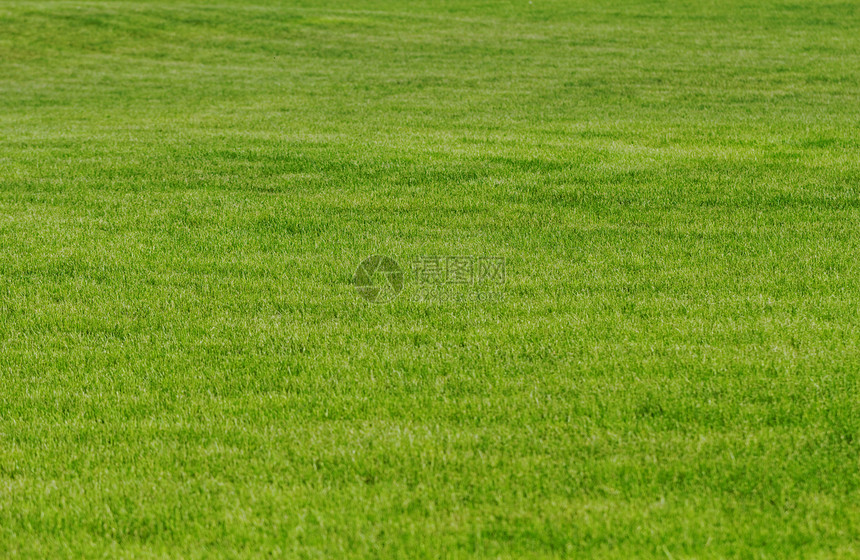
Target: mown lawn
[(669, 370)]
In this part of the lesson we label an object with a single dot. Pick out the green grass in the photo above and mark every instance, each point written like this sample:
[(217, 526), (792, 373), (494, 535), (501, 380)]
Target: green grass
[(671, 370)]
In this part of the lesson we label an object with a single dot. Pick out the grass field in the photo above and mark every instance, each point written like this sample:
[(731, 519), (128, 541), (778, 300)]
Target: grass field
[(669, 370)]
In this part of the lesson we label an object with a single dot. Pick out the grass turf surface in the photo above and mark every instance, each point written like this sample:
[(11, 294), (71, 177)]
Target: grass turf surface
[(186, 191)]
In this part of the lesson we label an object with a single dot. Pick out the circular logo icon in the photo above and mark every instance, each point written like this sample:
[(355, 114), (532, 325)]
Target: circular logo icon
[(378, 279)]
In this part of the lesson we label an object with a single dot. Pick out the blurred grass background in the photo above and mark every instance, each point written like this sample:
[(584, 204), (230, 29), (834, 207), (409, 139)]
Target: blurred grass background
[(187, 188)]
